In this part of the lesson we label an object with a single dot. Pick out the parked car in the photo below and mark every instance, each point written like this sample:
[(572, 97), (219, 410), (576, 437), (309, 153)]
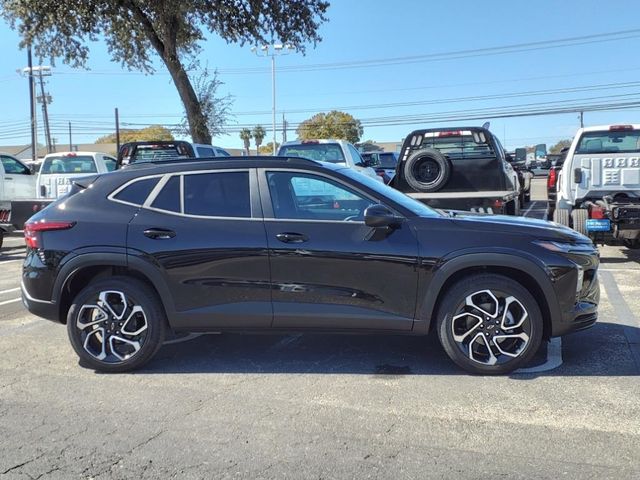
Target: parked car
[(135, 152), (59, 169), (518, 160), (338, 152), (384, 163), (557, 160), (278, 244), (458, 169), (599, 184)]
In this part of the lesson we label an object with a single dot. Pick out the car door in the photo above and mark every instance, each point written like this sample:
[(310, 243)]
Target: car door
[(328, 269), (19, 182), (205, 234)]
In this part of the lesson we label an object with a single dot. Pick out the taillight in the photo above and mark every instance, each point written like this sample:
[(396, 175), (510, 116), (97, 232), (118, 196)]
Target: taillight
[(597, 212), (450, 133), (497, 203), (551, 179), (32, 230), (614, 128)]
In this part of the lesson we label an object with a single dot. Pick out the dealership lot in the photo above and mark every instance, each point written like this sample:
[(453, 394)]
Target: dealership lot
[(322, 406)]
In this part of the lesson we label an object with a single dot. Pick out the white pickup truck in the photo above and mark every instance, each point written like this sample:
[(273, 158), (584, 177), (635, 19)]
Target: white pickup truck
[(17, 181), (599, 184), (339, 152)]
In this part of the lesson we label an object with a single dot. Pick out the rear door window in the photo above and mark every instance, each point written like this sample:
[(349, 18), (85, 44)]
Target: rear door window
[(169, 197), (219, 194)]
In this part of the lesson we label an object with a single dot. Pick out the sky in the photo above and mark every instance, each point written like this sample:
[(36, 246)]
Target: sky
[(384, 95)]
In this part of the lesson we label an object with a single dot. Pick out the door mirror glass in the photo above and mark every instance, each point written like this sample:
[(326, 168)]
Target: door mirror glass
[(378, 216)]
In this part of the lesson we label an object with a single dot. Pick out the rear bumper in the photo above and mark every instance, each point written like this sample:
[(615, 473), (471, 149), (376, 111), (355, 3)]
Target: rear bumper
[(41, 308)]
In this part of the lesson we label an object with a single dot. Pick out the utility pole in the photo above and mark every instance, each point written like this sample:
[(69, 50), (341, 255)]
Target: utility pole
[(272, 51), (70, 142), (117, 132), (284, 129), (581, 119), (34, 139), (45, 99)]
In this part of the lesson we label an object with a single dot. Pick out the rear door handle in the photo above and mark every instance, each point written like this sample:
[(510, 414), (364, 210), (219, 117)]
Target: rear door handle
[(288, 237), (159, 233)]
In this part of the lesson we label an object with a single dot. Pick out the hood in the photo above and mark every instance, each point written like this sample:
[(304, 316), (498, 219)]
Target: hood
[(532, 227)]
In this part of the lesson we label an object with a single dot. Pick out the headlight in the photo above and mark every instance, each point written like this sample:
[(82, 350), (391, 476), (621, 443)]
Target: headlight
[(562, 247)]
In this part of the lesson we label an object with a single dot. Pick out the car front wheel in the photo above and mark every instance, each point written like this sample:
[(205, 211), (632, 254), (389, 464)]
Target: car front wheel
[(116, 324), (489, 324)]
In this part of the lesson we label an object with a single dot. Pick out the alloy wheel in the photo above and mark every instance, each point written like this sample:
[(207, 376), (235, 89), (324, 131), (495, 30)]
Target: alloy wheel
[(113, 329), (491, 327)]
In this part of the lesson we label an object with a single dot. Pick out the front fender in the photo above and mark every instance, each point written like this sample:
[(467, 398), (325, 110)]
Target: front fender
[(529, 265)]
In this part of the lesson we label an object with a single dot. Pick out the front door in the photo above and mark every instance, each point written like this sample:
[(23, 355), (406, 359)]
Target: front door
[(328, 269), (209, 243)]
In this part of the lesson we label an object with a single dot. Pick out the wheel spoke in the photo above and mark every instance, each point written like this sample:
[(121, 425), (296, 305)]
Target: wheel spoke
[(99, 335), (461, 337), (93, 309), (492, 358), (498, 339), (105, 299), (114, 338), (136, 312), (510, 314), (470, 302)]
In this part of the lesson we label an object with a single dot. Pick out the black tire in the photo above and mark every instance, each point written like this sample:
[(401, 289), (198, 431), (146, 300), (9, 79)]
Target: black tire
[(427, 170), (136, 294), (631, 244), (503, 287), (527, 197), (579, 217), (1, 238), (562, 216)]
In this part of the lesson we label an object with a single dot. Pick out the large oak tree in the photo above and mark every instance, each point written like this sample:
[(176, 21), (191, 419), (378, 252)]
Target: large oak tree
[(173, 29)]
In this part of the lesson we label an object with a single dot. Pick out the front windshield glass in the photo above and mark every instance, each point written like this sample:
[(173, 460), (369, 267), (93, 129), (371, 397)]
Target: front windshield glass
[(320, 152), (392, 194)]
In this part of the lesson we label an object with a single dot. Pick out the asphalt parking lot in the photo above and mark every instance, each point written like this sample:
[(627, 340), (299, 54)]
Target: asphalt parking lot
[(319, 406)]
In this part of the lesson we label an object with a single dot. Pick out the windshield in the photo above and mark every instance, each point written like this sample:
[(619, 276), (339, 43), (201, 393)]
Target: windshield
[(320, 152), (392, 194), (627, 141), (69, 164)]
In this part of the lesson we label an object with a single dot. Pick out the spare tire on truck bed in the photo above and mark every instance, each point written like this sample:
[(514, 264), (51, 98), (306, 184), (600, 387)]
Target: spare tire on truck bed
[(427, 170)]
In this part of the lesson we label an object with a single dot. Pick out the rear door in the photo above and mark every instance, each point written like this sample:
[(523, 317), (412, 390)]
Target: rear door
[(205, 233), (328, 269)]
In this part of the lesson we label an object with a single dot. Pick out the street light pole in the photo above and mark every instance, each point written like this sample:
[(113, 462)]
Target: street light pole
[(272, 51)]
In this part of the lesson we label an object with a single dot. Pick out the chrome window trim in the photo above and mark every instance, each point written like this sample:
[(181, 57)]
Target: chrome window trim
[(156, 190)]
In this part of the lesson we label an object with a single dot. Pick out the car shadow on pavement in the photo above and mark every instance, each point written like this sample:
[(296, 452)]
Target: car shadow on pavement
[(604, 350)]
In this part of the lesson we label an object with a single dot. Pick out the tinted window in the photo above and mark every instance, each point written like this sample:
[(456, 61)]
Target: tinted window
[(320, 152), (625, 141), (222, 153), (303, 196), (110, 164), (169, 196), (69, 164), (456, 146), (224, 194), (11, 165), (205, 152), (388, 160), (160, 152), (138, 191)]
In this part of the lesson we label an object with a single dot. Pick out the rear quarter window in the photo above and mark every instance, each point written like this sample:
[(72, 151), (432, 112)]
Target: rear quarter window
[(137, 192)]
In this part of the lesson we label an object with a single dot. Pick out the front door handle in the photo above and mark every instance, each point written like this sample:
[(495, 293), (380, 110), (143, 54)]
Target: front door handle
[(288, 237), (159, 233)]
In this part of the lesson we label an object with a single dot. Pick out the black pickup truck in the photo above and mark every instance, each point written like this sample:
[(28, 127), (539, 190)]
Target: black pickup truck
[(461, 168)]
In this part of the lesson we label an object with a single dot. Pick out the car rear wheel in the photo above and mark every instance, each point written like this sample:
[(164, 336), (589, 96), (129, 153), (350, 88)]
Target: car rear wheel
[(116, 324), (579, 217), (631, 244), (489, 324), (427, 170)]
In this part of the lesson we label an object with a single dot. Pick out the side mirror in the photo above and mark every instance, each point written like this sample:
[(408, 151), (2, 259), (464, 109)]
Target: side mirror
[(32, 169), (378, 216), (508, 157), (577, 175)]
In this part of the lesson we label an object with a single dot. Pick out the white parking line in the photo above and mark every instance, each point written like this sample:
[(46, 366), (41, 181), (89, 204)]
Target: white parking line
[(3, 262), (528, 210), (554, 358), (10, 290), (13, 300)]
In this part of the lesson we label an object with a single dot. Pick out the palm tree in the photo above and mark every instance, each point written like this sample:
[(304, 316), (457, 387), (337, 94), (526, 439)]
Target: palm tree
[(258, 135), (245, 135)]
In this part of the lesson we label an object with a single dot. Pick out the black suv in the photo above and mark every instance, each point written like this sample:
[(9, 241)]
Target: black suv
[(286, 244)]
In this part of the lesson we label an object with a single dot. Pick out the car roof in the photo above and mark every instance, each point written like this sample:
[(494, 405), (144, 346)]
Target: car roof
[(598, 128), (311, 141), (72, 154)]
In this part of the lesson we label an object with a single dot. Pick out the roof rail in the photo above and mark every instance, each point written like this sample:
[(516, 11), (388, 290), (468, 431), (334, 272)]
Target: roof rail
[(255, 159)]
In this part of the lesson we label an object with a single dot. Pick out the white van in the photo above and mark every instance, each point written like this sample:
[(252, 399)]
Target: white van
[(58, 169)]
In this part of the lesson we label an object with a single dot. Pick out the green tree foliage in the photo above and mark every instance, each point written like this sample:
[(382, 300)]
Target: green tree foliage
[(245, 136), (258, 135), (335, 124), (135, 30), (147, 134), (369, 146), (560, 145), (268, 148)]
